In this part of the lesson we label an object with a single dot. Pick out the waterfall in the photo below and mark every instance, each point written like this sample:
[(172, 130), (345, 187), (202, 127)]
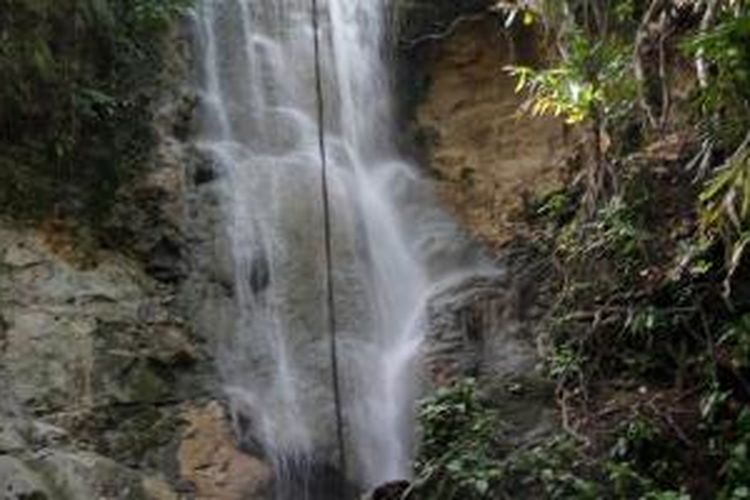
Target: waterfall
[(392, 247)]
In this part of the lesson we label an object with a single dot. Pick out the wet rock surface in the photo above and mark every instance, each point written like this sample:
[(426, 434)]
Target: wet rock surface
[(18, 482), (210, 461), (481, 328), (476, 329)]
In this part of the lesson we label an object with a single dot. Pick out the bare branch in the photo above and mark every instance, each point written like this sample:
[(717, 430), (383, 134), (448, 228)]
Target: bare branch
[(701, 66), (666, 95), (638, 69), (450, 30)]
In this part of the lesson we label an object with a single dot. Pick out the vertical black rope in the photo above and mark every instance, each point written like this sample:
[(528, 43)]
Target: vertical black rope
[(328, 251)]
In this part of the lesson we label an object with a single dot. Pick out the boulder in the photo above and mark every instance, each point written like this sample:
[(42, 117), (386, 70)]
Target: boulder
[(393, 490), (79, 474), (18, 482)]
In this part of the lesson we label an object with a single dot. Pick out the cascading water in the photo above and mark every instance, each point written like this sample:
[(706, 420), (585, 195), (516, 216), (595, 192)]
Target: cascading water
[(391, 246)]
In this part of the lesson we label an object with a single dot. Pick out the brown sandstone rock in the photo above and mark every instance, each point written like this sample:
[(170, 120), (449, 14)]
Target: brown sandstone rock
[(158, 489), (485, 157), (210, 460)]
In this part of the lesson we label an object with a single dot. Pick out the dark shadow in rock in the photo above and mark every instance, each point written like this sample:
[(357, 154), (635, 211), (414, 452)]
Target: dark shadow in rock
[(166, 262), (248, 442), (390, 491), (260, 274), (205, 172)]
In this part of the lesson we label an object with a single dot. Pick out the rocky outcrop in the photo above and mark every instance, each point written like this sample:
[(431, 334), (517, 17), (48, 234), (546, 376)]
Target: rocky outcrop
[(485, 158), (476, 330), (105, 385), (17, 481), (481, 328), (210, 460), (90, 358), (106, 374), (61, 475)]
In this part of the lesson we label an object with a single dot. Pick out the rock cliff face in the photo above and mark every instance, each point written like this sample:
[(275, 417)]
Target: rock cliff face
[(484, 156), (92, 360), (107, 388)]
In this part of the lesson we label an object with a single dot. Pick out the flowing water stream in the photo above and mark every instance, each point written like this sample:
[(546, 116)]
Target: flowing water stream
[(392, 247)]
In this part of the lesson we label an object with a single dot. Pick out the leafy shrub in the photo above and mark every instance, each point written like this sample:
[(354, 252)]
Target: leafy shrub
[(591, 80), (726, 49), (730, 441), (462, 458), (554, 469), (560, 469), (457, 458), (725, 208)]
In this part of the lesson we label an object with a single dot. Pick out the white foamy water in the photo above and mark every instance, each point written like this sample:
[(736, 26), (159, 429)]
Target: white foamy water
[(392, 246)]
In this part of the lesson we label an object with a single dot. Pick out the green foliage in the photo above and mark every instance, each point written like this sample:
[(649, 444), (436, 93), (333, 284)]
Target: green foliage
[(565, 363), (737, 464), (737, 340), (561, 469), (635, 436), (556, 92), (462, 457), (730, 441), (591, 79), (627, 483), (587, 331), (646, 320), (639, 302), (724, 109), (642, 446), (457, 458), (726, 48), (555, 468), (590, 84), (725, 206), (79, 79), (558, 207), (157, 13), (614, 232)]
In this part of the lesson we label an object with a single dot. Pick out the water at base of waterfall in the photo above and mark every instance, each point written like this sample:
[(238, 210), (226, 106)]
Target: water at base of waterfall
[(392, 247)]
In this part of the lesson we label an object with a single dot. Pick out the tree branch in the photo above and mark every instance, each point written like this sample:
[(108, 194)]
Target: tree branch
[(450, 30), (638, 69), (701, 66), (666, 95)]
